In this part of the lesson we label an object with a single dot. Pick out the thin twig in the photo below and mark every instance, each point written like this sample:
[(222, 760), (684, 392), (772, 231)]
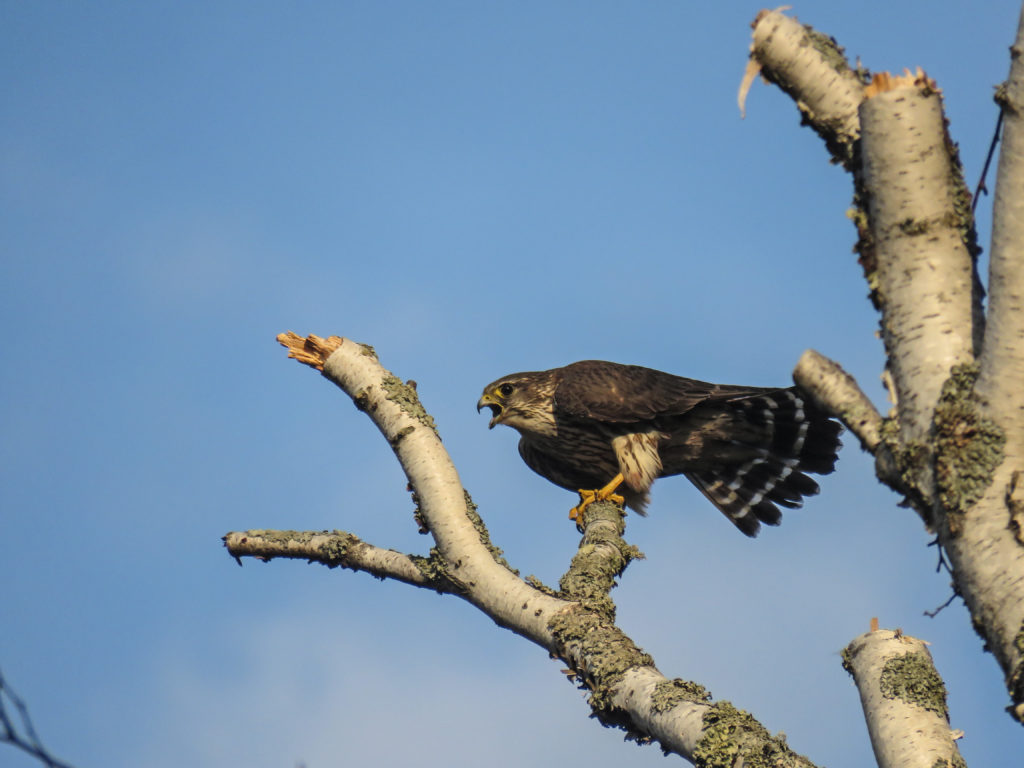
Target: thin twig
[(942, 563), (12, 732), (941, 608), (988, 161)]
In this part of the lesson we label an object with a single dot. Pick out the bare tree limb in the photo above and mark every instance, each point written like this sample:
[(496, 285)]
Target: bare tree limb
[(955, 450), (444, 508), (837, 392), (18, 731), (1002, 362), (904, 701), (916, 216), (811, 67), (338, 548), (983, 460), (575, 624)]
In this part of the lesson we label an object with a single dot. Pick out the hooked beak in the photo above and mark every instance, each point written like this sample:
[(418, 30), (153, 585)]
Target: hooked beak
[(496, 407)]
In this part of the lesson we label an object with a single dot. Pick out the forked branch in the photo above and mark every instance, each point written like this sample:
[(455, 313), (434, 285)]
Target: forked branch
[(953, 449), (575, 623)]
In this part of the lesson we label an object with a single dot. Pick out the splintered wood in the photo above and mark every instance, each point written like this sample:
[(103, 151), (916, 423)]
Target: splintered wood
[(883, 81), (312, 350)]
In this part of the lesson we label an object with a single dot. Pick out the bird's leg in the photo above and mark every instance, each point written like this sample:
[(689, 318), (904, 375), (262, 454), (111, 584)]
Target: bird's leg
[(601, 494)]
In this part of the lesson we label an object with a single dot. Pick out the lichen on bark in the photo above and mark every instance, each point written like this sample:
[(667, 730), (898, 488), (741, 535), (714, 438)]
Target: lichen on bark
[(601, 558), (911, 677), (405, 397), (733, 737), (969, 444), (586, 634), (669, 693)]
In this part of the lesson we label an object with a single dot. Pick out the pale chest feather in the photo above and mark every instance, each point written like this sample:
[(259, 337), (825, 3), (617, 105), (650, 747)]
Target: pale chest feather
[(638, 457)]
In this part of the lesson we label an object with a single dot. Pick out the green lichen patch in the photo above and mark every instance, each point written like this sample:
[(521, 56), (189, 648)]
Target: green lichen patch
[(733, 737), (847, 658), (588, 581), (912, 678), (829, 49), (600, 559), (669, 693), (956, 761), (914, 462), (608, 653), (405, 397), (540, 586), (366, 349), (484, 534), (913, 467), (435, 570), (865, 248), (335, 549), (969, 445), (913, 458)]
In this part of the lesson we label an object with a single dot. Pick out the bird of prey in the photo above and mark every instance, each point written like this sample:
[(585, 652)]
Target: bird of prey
[(612, 427)]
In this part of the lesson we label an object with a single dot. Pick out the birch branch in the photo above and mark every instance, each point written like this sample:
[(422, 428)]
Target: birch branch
[(338, 548), (836, 392), (956, 450), (444, 507), (904, 701), (16, 728), (915, 206), (576, 624), (1002, 363), (813, 70), (982, 457)]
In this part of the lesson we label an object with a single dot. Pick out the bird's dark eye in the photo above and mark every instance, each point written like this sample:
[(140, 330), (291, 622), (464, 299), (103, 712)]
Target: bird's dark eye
[(506, 390)]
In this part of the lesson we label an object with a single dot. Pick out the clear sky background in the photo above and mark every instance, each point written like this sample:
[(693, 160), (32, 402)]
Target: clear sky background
[(474, 188)]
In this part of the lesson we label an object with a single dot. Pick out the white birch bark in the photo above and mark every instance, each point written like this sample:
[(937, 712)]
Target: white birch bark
[(904, 701), (576, 624), (810, 67), (925, 272), (955, 443), (1002, 364), (921, 268), (989, 546)]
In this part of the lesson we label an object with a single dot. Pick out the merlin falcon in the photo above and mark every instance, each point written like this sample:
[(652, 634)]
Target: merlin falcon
[(606, 429)]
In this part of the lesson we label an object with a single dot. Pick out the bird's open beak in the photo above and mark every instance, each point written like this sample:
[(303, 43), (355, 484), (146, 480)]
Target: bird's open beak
[(496, 407)]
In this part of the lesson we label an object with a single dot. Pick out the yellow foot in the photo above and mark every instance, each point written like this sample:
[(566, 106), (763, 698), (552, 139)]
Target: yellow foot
[(602, 494)]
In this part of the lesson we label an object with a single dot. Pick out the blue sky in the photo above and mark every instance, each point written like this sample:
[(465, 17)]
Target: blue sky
[(474, 188)]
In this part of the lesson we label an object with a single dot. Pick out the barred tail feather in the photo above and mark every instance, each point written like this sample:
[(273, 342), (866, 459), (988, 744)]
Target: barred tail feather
[(787, 437)]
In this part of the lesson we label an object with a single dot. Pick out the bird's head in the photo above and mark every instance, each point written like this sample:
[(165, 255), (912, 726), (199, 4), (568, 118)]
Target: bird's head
[(522, 401)]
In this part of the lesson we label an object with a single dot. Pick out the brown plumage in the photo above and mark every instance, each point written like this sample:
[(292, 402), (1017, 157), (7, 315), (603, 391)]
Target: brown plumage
[(747, 449)]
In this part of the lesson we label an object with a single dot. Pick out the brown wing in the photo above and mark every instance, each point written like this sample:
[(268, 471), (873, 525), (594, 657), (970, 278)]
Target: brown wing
[(612, 392)]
